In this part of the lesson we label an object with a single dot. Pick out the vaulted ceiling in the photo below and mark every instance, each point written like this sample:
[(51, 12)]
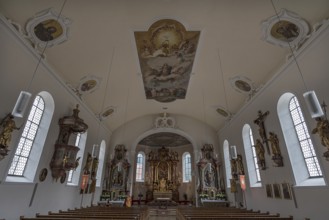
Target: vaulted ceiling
[(100, 45)]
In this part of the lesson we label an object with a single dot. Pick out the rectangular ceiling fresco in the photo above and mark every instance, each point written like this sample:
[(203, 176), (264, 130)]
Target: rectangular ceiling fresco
[(166, 54)]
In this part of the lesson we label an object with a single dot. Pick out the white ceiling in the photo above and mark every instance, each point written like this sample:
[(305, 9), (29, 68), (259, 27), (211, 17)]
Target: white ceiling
[(101, 43)]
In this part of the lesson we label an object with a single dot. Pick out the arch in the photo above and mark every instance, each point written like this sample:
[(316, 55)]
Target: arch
[(39, 140), (158, 130), (253, 169), (75, 174), (101, 159), (227, 163), (296, 157), (187, 167), (140, 167)]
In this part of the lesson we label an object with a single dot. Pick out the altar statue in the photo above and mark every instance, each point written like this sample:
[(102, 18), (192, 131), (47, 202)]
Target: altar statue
[(162, 186)]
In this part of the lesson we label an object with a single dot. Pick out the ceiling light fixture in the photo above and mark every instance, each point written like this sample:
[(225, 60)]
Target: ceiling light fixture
[(24, 96), (221, 73), (204, 118), (310, 97)]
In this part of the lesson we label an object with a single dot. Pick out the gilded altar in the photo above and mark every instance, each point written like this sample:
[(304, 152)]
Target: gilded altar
[(208, 171), (118, 169), (163, 180)]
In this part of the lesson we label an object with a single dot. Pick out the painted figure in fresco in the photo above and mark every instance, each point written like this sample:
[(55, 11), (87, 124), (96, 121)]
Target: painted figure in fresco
[(287, 30), (8, 126), (322, 129), (44, 33), (260, 151)]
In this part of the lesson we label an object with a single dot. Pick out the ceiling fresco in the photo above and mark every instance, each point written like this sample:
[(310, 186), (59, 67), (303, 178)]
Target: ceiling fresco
[(166, 139), (166, 54)]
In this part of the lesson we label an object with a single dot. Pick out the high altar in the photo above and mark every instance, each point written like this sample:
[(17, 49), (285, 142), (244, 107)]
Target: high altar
[(163, 180)]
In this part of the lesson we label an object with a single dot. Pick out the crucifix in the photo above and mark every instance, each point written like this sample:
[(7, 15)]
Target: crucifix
[(261, 128)]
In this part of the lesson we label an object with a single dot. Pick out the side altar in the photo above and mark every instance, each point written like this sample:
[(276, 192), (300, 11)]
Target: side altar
[(163, 180)]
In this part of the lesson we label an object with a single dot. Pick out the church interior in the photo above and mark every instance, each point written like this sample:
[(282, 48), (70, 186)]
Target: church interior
[(164, 109)]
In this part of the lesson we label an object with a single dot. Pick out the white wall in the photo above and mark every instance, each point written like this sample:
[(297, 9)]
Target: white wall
[(17, 64), (311, 200)]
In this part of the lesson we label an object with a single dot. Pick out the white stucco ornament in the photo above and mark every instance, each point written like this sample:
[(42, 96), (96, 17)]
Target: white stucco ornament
[(165, 122), (47, 28), (286, 29)]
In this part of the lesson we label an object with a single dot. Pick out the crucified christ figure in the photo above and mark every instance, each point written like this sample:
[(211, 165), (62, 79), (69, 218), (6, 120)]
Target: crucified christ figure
[(261, 127)]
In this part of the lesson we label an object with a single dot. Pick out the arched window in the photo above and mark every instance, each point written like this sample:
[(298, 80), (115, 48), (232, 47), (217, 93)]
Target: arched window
[(227, 162), (101, 157), (302, 155), (140, 167), (74, 175), (187, 167), (31, 142), (77, 141), (251, 157)]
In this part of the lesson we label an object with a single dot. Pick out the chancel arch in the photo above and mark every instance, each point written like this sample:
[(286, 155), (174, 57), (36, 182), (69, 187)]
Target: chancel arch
[(164, 149)]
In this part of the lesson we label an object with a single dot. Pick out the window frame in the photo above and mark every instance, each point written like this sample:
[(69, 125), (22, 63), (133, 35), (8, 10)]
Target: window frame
[(247, 143), (31, 169), (140, 170), (295, 155), (187, 167), (28, 137)]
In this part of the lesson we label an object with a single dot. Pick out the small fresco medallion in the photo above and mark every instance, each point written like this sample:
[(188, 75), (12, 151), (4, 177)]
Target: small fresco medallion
[(48, 30), (242, 84), (222, 112), (285, 31)]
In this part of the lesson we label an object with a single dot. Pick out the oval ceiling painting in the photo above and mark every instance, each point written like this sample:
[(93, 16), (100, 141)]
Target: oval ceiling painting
[(48, 30), (285, 31)]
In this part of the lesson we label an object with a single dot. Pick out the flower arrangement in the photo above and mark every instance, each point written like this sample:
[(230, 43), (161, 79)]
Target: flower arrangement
[(122, 197), (203, 196), (220, 195)]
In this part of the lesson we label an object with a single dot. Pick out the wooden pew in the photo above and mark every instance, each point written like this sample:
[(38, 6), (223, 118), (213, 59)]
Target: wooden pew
[(225, 213), (93, 213)]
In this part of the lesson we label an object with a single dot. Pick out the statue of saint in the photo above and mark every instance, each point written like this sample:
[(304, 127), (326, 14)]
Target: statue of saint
[(8, 126), (239, 164), (274, 144), (322, 128), (260, 154), (163, 185)]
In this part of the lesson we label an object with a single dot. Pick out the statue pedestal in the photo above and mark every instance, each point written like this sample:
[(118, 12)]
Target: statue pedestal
[(158, 194)]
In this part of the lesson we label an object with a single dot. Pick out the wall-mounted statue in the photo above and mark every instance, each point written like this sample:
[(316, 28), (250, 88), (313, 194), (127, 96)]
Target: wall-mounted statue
[(322, 129), (234, 169), (261, 127), (239, 164), (260, 152), (275, 147), (8, 125)]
